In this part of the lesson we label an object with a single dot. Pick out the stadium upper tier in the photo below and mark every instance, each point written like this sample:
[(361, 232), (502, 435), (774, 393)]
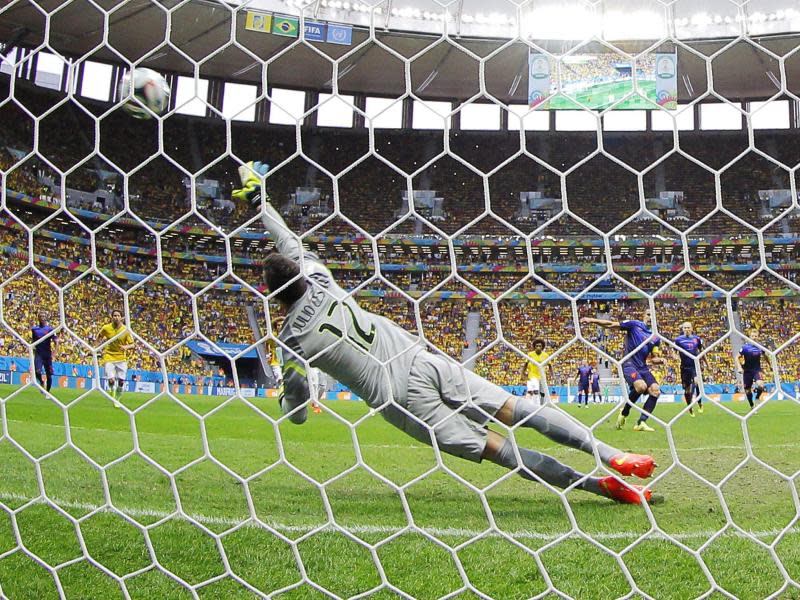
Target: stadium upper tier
[(602, 195), (201, 31)]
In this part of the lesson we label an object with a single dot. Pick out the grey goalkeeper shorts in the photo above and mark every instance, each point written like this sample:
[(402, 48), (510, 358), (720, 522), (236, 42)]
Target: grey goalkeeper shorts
[(449, 402)]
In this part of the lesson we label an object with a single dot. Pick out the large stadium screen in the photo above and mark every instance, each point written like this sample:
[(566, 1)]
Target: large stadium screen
[(602, 80)]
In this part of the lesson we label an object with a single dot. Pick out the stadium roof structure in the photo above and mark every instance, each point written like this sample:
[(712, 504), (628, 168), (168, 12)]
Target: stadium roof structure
[(443, 67)]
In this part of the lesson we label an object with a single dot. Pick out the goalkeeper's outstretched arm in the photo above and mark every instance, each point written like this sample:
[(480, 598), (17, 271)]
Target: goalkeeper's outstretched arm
[(294, 393), (286, 242)]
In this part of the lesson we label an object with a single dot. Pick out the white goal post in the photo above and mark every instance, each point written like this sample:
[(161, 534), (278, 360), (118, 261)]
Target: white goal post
[(612, 389)]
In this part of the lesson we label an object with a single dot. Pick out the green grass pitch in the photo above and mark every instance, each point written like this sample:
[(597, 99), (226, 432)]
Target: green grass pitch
[(601, 96), (541, 556)]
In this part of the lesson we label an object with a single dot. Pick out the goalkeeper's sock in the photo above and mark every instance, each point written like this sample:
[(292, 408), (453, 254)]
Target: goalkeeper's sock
[(538, 466), (559, 427)]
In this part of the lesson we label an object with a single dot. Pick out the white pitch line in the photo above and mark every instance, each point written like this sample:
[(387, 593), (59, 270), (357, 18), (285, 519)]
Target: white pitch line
[(383, 529)]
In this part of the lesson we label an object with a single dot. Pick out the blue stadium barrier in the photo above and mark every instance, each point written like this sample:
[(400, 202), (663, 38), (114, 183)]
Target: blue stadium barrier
[(16, 371)]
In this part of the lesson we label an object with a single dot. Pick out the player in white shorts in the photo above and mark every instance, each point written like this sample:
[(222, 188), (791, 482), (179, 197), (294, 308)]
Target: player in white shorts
[(536, 386), (116, 370), (427, 396), (115, 362)]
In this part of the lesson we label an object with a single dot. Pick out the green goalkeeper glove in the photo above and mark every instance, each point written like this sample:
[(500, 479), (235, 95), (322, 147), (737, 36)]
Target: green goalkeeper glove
[(250, 176)]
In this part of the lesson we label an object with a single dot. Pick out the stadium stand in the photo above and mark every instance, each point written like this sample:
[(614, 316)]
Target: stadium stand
[(485, 252)]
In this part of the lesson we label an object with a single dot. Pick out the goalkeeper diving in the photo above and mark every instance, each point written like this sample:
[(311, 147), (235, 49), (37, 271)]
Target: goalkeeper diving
[(428, 396)]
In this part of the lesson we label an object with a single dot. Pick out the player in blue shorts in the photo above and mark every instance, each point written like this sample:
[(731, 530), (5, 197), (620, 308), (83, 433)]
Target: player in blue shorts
[(584, 374), (43, 352), (641, 341), (596, 385), (692, 345), (750, 368)]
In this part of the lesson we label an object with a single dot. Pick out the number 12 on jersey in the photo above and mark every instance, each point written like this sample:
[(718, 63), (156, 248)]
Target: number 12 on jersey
[(362, 337)]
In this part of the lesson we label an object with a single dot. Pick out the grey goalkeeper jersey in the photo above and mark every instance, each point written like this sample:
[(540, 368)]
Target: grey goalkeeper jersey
[(366, 352)]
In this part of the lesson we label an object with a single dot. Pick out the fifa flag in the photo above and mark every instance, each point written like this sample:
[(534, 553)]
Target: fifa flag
[(667, 80), (257, 21), (314, 31), (538, 78), (285, 26)]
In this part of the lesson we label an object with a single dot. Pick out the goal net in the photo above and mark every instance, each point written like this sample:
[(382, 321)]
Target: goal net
[(609, 389), (474, 176)]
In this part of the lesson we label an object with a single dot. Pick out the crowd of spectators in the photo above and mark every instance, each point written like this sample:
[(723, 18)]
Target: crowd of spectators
[(162, 315), (159, 315), (414, 271), (443, 325), (165, 313), (773, 325), (370, 195)]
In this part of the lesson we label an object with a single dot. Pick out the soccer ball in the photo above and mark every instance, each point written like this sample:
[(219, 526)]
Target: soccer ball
[(149, 88)]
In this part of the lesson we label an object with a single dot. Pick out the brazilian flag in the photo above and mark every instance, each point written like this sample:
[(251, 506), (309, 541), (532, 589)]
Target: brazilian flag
[(285, 26)]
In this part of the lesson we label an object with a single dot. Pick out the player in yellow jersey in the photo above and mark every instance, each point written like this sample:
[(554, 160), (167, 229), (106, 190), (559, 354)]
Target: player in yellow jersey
[(114, 360), (536, 386)]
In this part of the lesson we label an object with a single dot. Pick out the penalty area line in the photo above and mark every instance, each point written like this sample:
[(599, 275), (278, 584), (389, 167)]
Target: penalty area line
[(439, 532)]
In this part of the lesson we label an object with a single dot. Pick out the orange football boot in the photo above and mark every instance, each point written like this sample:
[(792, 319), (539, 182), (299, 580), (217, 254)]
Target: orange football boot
[(624, 492), (640, 465)]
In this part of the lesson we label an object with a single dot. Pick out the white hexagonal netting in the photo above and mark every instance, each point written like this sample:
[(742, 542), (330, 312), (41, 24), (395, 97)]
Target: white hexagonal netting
[(198, 485)]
